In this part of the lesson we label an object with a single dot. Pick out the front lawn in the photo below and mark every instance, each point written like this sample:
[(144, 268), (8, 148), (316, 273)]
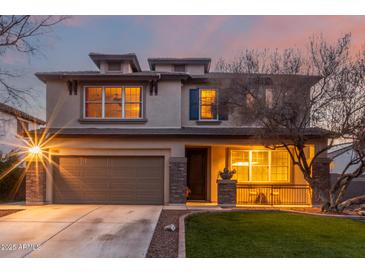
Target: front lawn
[(273, 234)]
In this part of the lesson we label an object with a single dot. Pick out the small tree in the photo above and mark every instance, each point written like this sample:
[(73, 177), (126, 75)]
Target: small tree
[(21, 33), (292, 95)]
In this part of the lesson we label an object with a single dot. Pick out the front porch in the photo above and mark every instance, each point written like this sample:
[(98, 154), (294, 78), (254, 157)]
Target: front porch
[(265, 177)]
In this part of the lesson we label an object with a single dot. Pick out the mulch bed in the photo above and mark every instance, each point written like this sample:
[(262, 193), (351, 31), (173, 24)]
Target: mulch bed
[(4, 212), (164, 244)]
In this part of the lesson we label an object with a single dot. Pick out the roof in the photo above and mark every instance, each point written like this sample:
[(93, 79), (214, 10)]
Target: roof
[(96, 75), (339, 150), (18, 113), (184, 131), (154, 75), (129, 57), (310, 79), (180, 61)]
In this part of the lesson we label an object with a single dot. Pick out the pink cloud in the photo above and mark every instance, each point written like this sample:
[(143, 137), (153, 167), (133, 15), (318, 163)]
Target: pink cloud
[(222, 36), (294, 31)]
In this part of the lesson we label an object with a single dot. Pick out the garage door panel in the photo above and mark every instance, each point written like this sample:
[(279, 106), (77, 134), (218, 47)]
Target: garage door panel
[(95, 172), (123, 172), (117, 180), (97, 162), (69, 161)]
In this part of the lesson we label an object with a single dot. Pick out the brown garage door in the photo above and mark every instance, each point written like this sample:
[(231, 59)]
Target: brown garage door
[(108, 180)]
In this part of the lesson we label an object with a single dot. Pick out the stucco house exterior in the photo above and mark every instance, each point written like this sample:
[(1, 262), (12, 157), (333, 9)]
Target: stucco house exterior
[(13, 122), (120, 135)]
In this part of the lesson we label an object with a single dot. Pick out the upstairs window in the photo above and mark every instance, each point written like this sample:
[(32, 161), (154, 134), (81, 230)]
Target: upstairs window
[(208, 104), (113, 102), (93, 102), (132, 102)]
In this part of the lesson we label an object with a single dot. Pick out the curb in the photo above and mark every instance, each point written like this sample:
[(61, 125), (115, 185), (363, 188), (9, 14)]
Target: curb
[(181, 250), (326, 215)]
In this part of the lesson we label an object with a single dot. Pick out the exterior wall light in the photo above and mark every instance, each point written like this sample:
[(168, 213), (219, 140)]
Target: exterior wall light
[(35, 150)]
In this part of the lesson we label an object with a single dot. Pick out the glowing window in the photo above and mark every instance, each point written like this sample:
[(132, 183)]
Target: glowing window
[(241, 163), (261, 165), (113, 102), (93, 102), (132, 102), (208, 104), (279, 166)]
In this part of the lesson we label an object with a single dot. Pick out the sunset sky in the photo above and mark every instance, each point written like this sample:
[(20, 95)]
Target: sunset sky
[(68, 46)]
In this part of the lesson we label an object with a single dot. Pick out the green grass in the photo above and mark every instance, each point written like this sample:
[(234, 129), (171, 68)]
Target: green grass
[(272, 234)]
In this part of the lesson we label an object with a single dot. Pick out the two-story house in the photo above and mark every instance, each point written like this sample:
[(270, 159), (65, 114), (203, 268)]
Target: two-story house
[(120, 135)]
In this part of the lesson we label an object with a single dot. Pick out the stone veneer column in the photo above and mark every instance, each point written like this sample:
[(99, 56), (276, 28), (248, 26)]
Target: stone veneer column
[(321, 171), (35, 183), (178, 178), (227, 193)]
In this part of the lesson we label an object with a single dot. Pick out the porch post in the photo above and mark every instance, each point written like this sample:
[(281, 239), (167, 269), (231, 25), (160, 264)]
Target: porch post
[(227, 193), (178, 180), (35, 183)]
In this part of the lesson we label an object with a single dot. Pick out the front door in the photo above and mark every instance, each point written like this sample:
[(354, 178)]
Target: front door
[(197, 173)]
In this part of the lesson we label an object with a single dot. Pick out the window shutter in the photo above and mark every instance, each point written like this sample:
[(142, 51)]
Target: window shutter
[(222, 107), (194, 104)]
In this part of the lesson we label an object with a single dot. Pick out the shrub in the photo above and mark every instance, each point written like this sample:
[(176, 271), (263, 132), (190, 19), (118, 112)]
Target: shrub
[(12, 185)]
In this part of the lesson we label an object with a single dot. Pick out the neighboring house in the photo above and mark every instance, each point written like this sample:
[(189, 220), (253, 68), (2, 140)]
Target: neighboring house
[(340, 158), (13, 123), (127, 136)]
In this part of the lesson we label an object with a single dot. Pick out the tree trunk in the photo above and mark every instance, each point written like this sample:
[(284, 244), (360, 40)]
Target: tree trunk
[(353, 201)]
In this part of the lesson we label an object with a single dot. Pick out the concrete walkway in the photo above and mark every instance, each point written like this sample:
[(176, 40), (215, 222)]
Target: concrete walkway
[(78, 231)]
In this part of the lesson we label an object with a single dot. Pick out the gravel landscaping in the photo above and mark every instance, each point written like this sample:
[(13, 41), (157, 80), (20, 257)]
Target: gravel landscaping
[(4, 212), (164, 243)]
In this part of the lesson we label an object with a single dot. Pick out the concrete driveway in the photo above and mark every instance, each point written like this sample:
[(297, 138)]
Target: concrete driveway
[(78, 231)]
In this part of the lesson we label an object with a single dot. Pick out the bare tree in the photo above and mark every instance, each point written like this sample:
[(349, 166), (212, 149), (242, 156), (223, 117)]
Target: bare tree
[(21, 34), (293, 95)]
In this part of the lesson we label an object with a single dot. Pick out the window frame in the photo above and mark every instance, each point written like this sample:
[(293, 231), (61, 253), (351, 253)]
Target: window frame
[(217, 103), (103, 103), (250, 181)]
